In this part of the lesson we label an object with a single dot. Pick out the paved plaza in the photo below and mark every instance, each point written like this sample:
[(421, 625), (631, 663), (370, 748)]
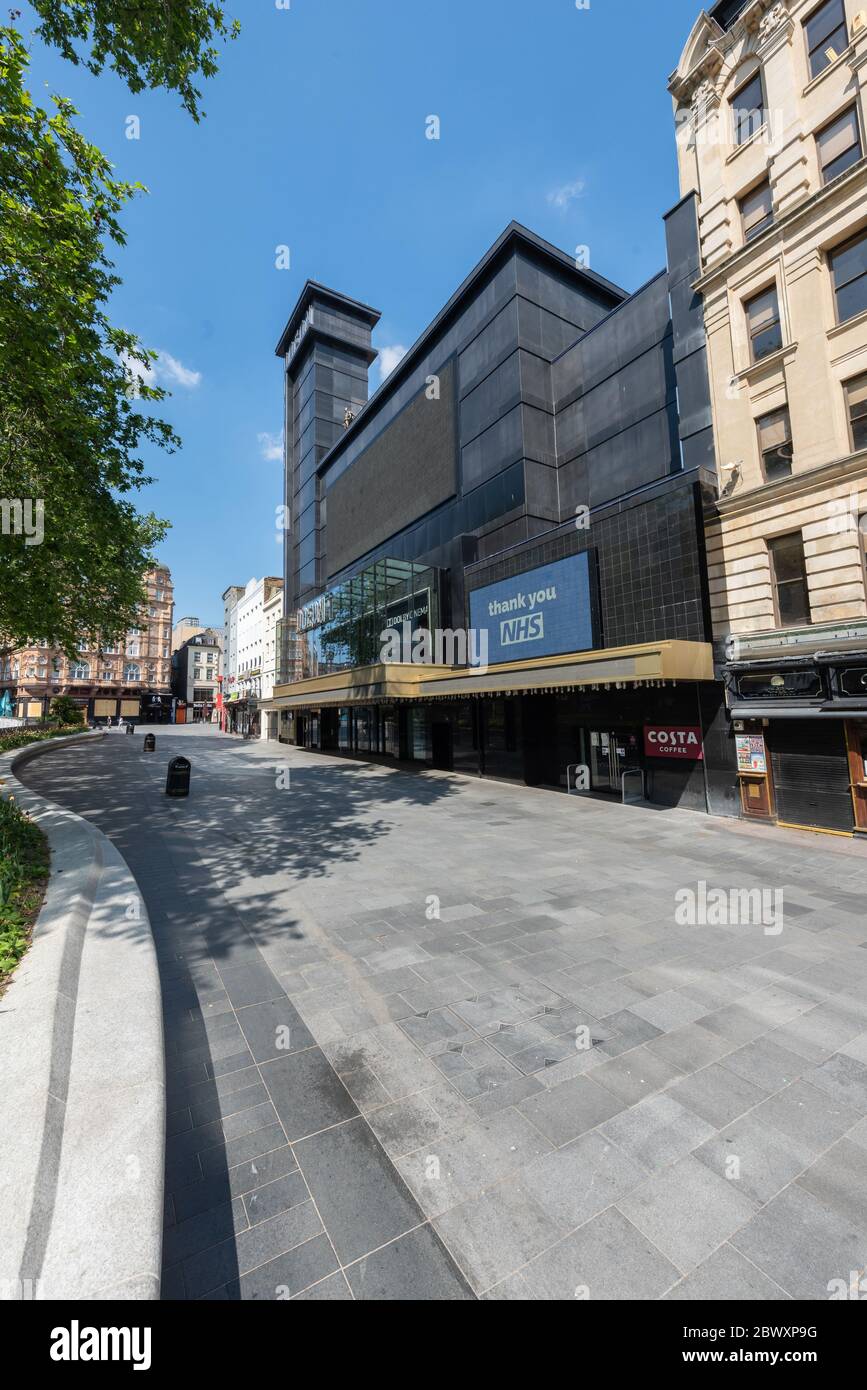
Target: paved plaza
[(436, 1038)]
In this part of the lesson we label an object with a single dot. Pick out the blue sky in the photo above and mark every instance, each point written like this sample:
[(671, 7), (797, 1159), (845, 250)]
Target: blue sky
[(315, 139)]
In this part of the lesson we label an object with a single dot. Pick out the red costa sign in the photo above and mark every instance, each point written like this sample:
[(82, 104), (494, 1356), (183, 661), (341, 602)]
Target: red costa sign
[(673, 741)]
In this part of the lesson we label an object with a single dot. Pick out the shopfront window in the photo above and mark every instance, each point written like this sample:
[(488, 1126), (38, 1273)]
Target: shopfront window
[(364, 726), (390, 732), (789, 578), (344, 731), (420, 747)]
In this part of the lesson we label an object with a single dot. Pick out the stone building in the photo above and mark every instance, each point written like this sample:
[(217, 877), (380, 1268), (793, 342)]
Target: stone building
[(770, 108), (130, 679)]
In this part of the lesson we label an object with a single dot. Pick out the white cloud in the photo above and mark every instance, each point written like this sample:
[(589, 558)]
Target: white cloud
[(170, 370), (389, 358), (138, 374), (165, 371), (562, 198), (270, 446)]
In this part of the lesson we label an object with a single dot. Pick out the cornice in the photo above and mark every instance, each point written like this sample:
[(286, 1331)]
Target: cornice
[(798, 485), (721, 270)]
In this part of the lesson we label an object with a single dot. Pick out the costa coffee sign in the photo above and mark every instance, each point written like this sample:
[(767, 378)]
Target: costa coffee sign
[(673, 741)]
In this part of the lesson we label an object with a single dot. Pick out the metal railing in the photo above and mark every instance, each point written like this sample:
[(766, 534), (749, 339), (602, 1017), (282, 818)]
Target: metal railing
[(633, 800)]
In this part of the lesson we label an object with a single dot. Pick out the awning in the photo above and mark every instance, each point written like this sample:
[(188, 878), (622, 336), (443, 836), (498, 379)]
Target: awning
[(652, 661), (857, 710)]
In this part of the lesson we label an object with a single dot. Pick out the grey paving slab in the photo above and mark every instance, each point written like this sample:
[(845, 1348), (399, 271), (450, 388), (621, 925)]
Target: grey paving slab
[(765, 1064), (726, 1276), (332, 1290), (608, 1259), (274, 1029), (570, 1109), (685, 1027), (843, 1078), (757, 1159), (416, 1262), (802, 1244), (580, 1180), (306, 1094), (636, 1075), (839, 1180), (657, 1131), (219, 1264), (716, 1094), (493, 1235), (288, 1275), (362, 1199), (665, 1209), (808, 1117)]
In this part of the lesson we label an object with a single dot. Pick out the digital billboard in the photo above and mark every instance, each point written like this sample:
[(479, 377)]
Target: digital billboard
[(544, 612)]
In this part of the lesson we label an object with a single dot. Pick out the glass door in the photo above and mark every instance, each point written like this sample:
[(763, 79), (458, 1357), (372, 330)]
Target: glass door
[(612, 753), (601, 753)]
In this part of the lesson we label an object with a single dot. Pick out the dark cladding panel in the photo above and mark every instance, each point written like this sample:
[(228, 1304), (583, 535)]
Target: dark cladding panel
[(631, 459), (407, 471), (690, 342)]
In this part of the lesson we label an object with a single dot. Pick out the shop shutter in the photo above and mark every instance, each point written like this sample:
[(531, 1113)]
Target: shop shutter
[(811, 773)]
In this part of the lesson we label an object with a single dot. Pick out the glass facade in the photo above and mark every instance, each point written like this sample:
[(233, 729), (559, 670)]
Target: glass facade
[(345, 627)]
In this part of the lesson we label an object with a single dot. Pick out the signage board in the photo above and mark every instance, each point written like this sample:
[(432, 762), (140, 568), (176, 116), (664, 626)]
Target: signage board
[(681, 742), (751, 753), (414, 609), (543, 612)]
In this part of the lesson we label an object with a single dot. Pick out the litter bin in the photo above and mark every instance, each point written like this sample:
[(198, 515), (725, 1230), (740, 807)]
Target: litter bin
[(150, 743), (178, 779), (130, 728)]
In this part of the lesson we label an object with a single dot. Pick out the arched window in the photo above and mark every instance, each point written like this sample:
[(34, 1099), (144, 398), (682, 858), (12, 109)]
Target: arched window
[(131, 672), (79, 671)]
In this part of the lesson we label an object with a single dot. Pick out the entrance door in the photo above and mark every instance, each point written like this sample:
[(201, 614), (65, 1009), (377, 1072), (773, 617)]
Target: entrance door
[(611, 753), (857, 740), (441, 746)]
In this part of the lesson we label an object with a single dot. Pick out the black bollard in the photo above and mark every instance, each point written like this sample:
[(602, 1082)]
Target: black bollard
[(178, 778), (150, 743)]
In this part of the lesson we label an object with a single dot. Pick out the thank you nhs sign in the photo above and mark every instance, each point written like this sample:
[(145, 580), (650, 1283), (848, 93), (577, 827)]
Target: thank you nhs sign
[(544, 612)]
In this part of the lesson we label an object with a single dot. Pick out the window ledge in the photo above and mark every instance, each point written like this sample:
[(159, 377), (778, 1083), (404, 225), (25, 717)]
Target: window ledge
[(773, 359), (756, 138), (854, 321)]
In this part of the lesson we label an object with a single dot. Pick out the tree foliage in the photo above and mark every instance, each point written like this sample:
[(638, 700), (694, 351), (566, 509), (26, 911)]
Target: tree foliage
[(73, 386), (148, 43), (70, 425)]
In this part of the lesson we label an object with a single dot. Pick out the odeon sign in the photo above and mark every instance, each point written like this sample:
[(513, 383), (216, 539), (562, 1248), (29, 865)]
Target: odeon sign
[(316, 613), (673, 741)]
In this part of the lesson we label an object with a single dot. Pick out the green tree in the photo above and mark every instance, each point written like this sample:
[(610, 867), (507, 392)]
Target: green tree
[(72, 385), (152, 43), (66, 711)]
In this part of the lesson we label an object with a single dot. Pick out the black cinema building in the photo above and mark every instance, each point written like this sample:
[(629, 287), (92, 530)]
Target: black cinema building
[(530, 476)]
